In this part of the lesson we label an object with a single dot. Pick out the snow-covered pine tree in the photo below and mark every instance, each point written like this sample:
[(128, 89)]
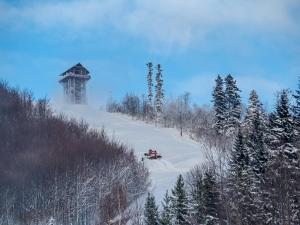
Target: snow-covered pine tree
[(219, 105), (151, 216), (239, 188), (285, 160), (239, 157), (166, 214), (270, 193), (149, 82), (159, 96), (259, 160), (232, 104), (179, 203), (210, 198), (254, 109), (284, 132), (259, 153), (255, 129), (149, 103), (197, 202)]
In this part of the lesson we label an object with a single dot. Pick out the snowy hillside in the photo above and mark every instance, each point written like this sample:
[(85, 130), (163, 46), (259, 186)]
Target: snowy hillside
[(179, 154)]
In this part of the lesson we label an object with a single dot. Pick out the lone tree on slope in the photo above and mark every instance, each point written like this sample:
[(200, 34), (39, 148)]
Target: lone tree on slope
[(150, 83), (159, 97)]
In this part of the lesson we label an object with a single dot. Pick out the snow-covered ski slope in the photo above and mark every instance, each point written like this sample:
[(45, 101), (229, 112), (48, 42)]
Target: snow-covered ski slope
[(179, 154)]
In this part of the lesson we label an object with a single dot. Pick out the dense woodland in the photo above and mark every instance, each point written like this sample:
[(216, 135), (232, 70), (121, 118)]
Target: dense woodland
[(252, 174), (55, 170)]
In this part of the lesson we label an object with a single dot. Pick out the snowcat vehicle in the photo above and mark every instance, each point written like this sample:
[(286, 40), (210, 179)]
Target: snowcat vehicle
[(152, 154)]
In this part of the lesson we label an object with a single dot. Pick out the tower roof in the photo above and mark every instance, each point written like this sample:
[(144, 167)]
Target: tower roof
[(78, 69), (78, 72)]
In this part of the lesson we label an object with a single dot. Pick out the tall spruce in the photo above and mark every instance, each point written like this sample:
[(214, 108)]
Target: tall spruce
[(284, 132), (254, 109), (232, 104), (179, 203), (150, 83), (166, 214), (219, 105), (259, 160), (149, 107), (239, 158), (151, 216), (159, 96), (255, 129), (240, 183), (257, 148), (210, 198), (197, 201), (285, 161)]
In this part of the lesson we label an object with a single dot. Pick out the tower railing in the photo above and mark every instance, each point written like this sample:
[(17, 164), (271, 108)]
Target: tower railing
[(71, 74)]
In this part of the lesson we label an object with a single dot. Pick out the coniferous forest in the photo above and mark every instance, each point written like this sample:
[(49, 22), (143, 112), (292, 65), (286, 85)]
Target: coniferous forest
[(161, 112), (57, 170), (252, 171)]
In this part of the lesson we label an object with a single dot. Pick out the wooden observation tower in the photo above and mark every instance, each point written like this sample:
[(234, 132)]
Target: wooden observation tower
[(74, 84)]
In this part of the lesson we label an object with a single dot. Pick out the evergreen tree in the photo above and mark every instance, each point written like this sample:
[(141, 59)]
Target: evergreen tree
[(159, 97), (255, 129), (197, 200), (284, 132), (232, 104), (166, 215), (149, 103), (239, 157), (285, 160), (210, 198), (219, 105), (151, 211), (259, 159), (179, 203), (257, 148), (150, 83), (254, 111), (240, 184)]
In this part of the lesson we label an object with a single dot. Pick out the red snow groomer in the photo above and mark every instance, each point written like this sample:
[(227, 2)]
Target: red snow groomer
[(152, 154)]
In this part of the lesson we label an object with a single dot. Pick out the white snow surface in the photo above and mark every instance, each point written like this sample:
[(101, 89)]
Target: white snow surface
[(179, 154)]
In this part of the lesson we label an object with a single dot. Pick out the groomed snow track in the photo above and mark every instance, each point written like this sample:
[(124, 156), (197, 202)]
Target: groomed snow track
[(179, 154)]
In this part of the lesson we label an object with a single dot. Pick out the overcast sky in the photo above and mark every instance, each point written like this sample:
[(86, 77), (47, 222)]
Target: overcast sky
[(258, 41)]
